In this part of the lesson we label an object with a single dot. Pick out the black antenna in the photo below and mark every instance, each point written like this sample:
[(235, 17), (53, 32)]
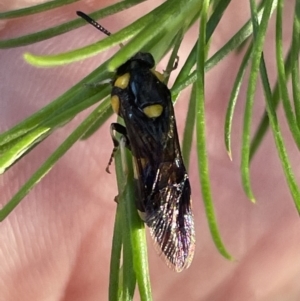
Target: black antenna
[(93, 22)]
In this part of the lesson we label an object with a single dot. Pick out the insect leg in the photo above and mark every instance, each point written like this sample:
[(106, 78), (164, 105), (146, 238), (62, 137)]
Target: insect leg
[(167, 73), (117, 128), (176, 62), (121, 143), (98, 84)]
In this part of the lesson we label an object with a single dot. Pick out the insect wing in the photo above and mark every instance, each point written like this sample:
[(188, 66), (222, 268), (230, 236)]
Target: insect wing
[(169, 216)]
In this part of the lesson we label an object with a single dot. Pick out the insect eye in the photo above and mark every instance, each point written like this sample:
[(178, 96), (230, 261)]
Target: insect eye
[(122, 81), (115, 103), (153, 111), (159, 75)]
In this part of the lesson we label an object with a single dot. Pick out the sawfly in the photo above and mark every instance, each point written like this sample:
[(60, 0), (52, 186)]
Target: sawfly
[(163, 192)]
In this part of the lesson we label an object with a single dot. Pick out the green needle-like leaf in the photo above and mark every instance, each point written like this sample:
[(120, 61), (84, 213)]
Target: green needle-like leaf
[(159, 32), (200, 131), (189, 129), (232, 101), (295, 63), (34, 9), (115, 257), (271, 109), (264, 123), (290, 116), (260, 33), (50, 162)]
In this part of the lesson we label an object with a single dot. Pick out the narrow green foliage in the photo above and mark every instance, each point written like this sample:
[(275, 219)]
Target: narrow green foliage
[(34, 9), (259, 35), (191, 60), (232, 101), (295, 63), (200, 131), (63, 28), (50, 162), (115, 261), (189, 129), (264, 123), (287, 105), (161, 32), (135, 261), (233, 44)]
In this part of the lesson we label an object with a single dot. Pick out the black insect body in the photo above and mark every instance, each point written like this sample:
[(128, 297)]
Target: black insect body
[(163, 187), (163, 199)]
